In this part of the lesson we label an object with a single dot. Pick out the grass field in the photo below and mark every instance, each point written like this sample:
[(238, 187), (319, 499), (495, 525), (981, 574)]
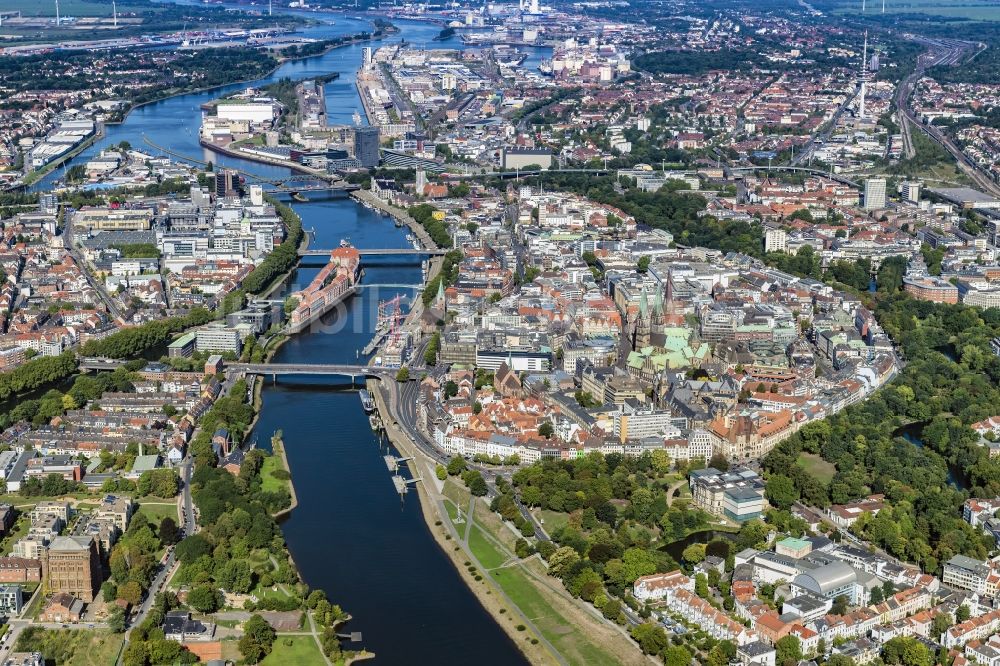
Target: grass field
[(77, 647), (484, 550), (817, 467), (157, 511), (553, 520), (570, 640), (268, 482), (69, 8), (973, 10), (299, 650), (568, 636)]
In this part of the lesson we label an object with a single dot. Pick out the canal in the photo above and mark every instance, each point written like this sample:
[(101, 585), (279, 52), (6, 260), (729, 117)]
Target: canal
[(350, 535)]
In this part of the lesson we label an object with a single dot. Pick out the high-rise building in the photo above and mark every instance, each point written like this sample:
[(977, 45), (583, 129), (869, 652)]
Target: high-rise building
[(366, 146), (227, 183), (874, 193), (256, 195), (72, 564), (775, 240), (48, 203), (910, 190), (366, 56)]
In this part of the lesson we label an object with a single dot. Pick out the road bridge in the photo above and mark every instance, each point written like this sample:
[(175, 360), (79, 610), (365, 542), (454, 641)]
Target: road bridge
[(352, 371), (98, 363), (379, 252)]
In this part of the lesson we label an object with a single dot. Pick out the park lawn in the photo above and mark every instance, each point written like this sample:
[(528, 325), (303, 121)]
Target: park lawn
[(267, 480), (818, 468), (157, 512), (493, 524), (78, 647), (456, 493), (273, 592), (299, 650), (484, 549), (449, 506), (571, 642), (552, 520)]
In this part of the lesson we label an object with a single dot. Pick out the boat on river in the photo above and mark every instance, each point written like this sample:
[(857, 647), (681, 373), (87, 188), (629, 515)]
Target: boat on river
[(366, 401)]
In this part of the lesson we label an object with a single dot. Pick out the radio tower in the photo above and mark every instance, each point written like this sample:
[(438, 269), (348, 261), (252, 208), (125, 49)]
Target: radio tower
[(57, 13), (114, 12), (864, 78)]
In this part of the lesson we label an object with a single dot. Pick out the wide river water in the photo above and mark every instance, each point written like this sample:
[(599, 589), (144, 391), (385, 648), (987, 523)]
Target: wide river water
[(350, 535)]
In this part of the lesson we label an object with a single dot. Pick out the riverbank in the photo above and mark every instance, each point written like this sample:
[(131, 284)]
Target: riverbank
[(441, 528), (366, 198), (278, 453), (357, 39), (38, 174)]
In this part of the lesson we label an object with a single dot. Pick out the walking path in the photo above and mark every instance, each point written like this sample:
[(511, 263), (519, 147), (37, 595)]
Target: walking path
[(673, 489)]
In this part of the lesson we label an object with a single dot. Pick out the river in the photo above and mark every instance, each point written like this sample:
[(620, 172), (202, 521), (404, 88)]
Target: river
[(350, 535)]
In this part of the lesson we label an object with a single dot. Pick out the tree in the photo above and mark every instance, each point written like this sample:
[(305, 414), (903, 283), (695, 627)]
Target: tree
[(441, 472), (203, 599), (676, 655), (168, 531), (116, 621), (191, 548), (780, 491), (643, 264), (546, 430), (130, 592), (651, 638), (789, 650), (236, 576), (962, 613), (941, 623), (257, 640), (403, 374), (456, 466), (694, 553), (719, 462), (840, 603), (475, 482)]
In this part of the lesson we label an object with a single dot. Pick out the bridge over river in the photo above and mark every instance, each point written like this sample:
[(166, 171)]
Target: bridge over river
[(379, 252), (352, 371)]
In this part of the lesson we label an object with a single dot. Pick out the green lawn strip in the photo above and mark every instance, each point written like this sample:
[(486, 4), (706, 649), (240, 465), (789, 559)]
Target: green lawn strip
[(456, 493), (298, 650), (572, 643), (484, 550)]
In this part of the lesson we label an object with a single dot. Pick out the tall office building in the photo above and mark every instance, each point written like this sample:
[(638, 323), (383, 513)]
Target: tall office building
[(874, 193), (366, 56), (227, 183), (366, 146)]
